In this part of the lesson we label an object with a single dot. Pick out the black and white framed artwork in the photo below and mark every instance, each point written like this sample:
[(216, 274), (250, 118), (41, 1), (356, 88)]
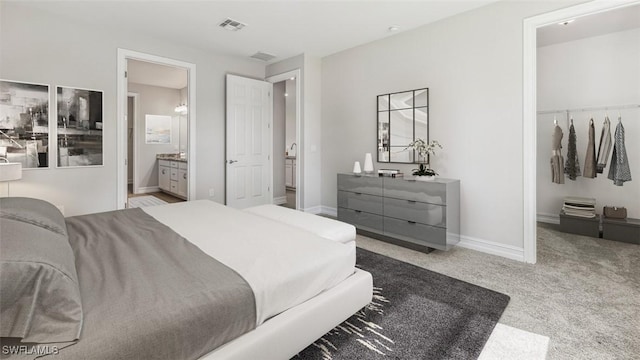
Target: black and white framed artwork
[(24, 123), (79, 118)]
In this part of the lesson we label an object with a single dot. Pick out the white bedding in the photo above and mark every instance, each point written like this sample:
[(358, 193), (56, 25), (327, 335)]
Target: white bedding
[(284, 266)]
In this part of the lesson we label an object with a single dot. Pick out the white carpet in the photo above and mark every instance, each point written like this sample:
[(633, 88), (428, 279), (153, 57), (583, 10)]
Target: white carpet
[(145, 201), (508, 343)]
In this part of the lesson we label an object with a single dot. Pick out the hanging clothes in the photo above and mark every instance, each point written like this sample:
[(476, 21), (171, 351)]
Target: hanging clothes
[(572, 166), (619, 170), (604, 149), (556, 156), (590, 160)]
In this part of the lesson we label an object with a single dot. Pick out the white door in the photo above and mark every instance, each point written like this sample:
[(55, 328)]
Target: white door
[(248, 142)]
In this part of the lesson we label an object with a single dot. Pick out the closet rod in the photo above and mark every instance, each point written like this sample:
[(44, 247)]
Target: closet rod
[(591, 108)]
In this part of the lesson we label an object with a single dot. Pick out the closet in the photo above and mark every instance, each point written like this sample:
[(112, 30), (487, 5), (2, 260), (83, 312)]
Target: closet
[(585, 80)]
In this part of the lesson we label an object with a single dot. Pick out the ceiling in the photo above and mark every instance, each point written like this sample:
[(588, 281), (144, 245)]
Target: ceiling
[(147, 73), (625, 18), (281, 28)]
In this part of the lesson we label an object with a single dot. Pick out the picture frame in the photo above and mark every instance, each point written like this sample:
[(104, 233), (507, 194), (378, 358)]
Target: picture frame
[(79, 117), (25, 127)]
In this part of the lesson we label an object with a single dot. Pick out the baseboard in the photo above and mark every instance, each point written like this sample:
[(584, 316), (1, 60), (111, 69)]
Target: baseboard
[(313, 210), (148, 189), (331, 211), (280, 200), (493, 248), (549, 218)]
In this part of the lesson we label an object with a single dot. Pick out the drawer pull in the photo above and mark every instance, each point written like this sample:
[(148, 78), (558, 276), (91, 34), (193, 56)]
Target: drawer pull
[(411, 201), (411, 222), (358, 211), (358, 193)]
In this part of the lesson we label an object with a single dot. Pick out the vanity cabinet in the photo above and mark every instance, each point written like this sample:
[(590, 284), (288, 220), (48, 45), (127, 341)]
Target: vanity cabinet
[(417, 213), (172, 177), (290, 172)]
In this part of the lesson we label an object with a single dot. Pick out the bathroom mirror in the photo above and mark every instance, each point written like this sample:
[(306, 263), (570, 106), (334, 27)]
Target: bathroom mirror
[(402, 118)]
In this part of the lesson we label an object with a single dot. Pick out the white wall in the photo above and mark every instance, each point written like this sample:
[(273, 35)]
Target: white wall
[(279, 120), (472, 64), (44, 48), (154, 100), (597, 71)]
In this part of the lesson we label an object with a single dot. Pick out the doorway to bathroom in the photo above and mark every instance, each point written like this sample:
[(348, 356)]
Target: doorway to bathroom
[(156, 155), (286, 140)]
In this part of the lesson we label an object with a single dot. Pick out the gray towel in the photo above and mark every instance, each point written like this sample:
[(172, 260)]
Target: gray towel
[(604, 149), (619, 170), (572, 166)]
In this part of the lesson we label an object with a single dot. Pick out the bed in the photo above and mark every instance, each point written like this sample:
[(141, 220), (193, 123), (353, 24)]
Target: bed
[(194, 280)]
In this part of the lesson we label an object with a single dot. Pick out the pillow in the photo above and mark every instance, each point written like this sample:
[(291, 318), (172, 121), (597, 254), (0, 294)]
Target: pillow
[(40, 299)]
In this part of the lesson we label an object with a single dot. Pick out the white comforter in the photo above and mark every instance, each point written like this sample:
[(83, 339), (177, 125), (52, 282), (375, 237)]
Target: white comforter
[(284, 265)]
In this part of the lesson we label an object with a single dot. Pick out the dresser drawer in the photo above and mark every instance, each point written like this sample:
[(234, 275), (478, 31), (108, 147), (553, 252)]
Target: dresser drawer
[(360, 219), (417, 233), (359, 201), (423, 191), (174, 174), (164, 163), (360, 184), (424, 213)]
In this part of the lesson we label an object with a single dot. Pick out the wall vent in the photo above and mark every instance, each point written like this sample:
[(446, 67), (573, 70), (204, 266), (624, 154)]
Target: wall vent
[(232, 25), (263, 56)]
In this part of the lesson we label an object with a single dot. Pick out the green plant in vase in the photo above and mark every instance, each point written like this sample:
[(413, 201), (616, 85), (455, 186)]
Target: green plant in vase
[(424, 149)]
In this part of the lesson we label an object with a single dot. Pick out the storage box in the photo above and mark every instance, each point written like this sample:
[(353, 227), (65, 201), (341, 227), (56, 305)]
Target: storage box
[(627, 230), (579, 225)]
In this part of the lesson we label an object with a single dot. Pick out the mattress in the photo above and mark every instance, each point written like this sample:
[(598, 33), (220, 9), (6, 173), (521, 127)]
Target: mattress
[(284, 265)]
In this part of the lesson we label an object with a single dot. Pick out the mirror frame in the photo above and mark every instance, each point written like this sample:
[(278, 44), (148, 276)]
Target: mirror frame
[(385, 146)]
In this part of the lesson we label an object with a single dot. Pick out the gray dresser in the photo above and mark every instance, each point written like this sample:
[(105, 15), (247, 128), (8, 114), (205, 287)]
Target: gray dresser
[(423, 214)]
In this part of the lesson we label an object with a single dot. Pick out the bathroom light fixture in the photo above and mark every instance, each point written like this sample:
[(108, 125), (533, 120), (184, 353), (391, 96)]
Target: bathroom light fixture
[(394, 28), (286, 94), (182, 108), (567, 22)]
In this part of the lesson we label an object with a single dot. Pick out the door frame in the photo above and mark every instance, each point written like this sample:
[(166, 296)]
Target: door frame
[(121, 93), (529, 106), (299, 146), (136, 98)]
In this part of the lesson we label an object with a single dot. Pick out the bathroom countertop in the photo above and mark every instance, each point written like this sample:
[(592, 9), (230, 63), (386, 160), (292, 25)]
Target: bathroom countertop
[(171, 157)]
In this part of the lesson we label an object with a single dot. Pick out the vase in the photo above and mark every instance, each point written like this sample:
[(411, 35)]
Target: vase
[(425, 177)]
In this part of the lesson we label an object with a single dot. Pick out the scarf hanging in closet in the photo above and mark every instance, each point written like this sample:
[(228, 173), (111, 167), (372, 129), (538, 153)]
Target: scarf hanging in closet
[(590, 160), (604, 149), (572, 166), (619, 170), (556, 156)]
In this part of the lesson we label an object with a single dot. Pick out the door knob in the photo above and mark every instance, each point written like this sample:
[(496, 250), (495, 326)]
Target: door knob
[(232, 161)]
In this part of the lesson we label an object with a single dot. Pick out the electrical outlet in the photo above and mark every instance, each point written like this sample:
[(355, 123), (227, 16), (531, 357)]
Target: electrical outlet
[(212, 192)]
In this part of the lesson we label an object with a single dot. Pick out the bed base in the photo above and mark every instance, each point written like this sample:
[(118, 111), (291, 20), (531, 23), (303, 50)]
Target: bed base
[(286, 334)]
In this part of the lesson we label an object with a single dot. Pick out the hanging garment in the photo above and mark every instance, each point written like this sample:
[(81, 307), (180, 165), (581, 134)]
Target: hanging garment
[(619, 170), (590, 160), (556, 156), (572, 167), (604, 149)]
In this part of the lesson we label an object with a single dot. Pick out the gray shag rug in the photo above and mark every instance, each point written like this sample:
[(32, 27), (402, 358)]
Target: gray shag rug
[(415, 314)]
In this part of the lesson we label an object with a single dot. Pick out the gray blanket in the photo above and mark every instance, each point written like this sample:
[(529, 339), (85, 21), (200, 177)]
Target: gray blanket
[(148, 293)]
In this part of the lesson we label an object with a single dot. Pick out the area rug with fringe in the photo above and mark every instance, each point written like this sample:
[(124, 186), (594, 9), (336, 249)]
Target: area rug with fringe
[(144, 201), (415, 314)]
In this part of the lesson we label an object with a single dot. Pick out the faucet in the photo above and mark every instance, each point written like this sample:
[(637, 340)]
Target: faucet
[(292, 145)]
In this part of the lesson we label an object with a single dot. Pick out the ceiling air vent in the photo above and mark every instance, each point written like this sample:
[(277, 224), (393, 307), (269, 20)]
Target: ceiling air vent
[(232, 25), (263, 56)]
